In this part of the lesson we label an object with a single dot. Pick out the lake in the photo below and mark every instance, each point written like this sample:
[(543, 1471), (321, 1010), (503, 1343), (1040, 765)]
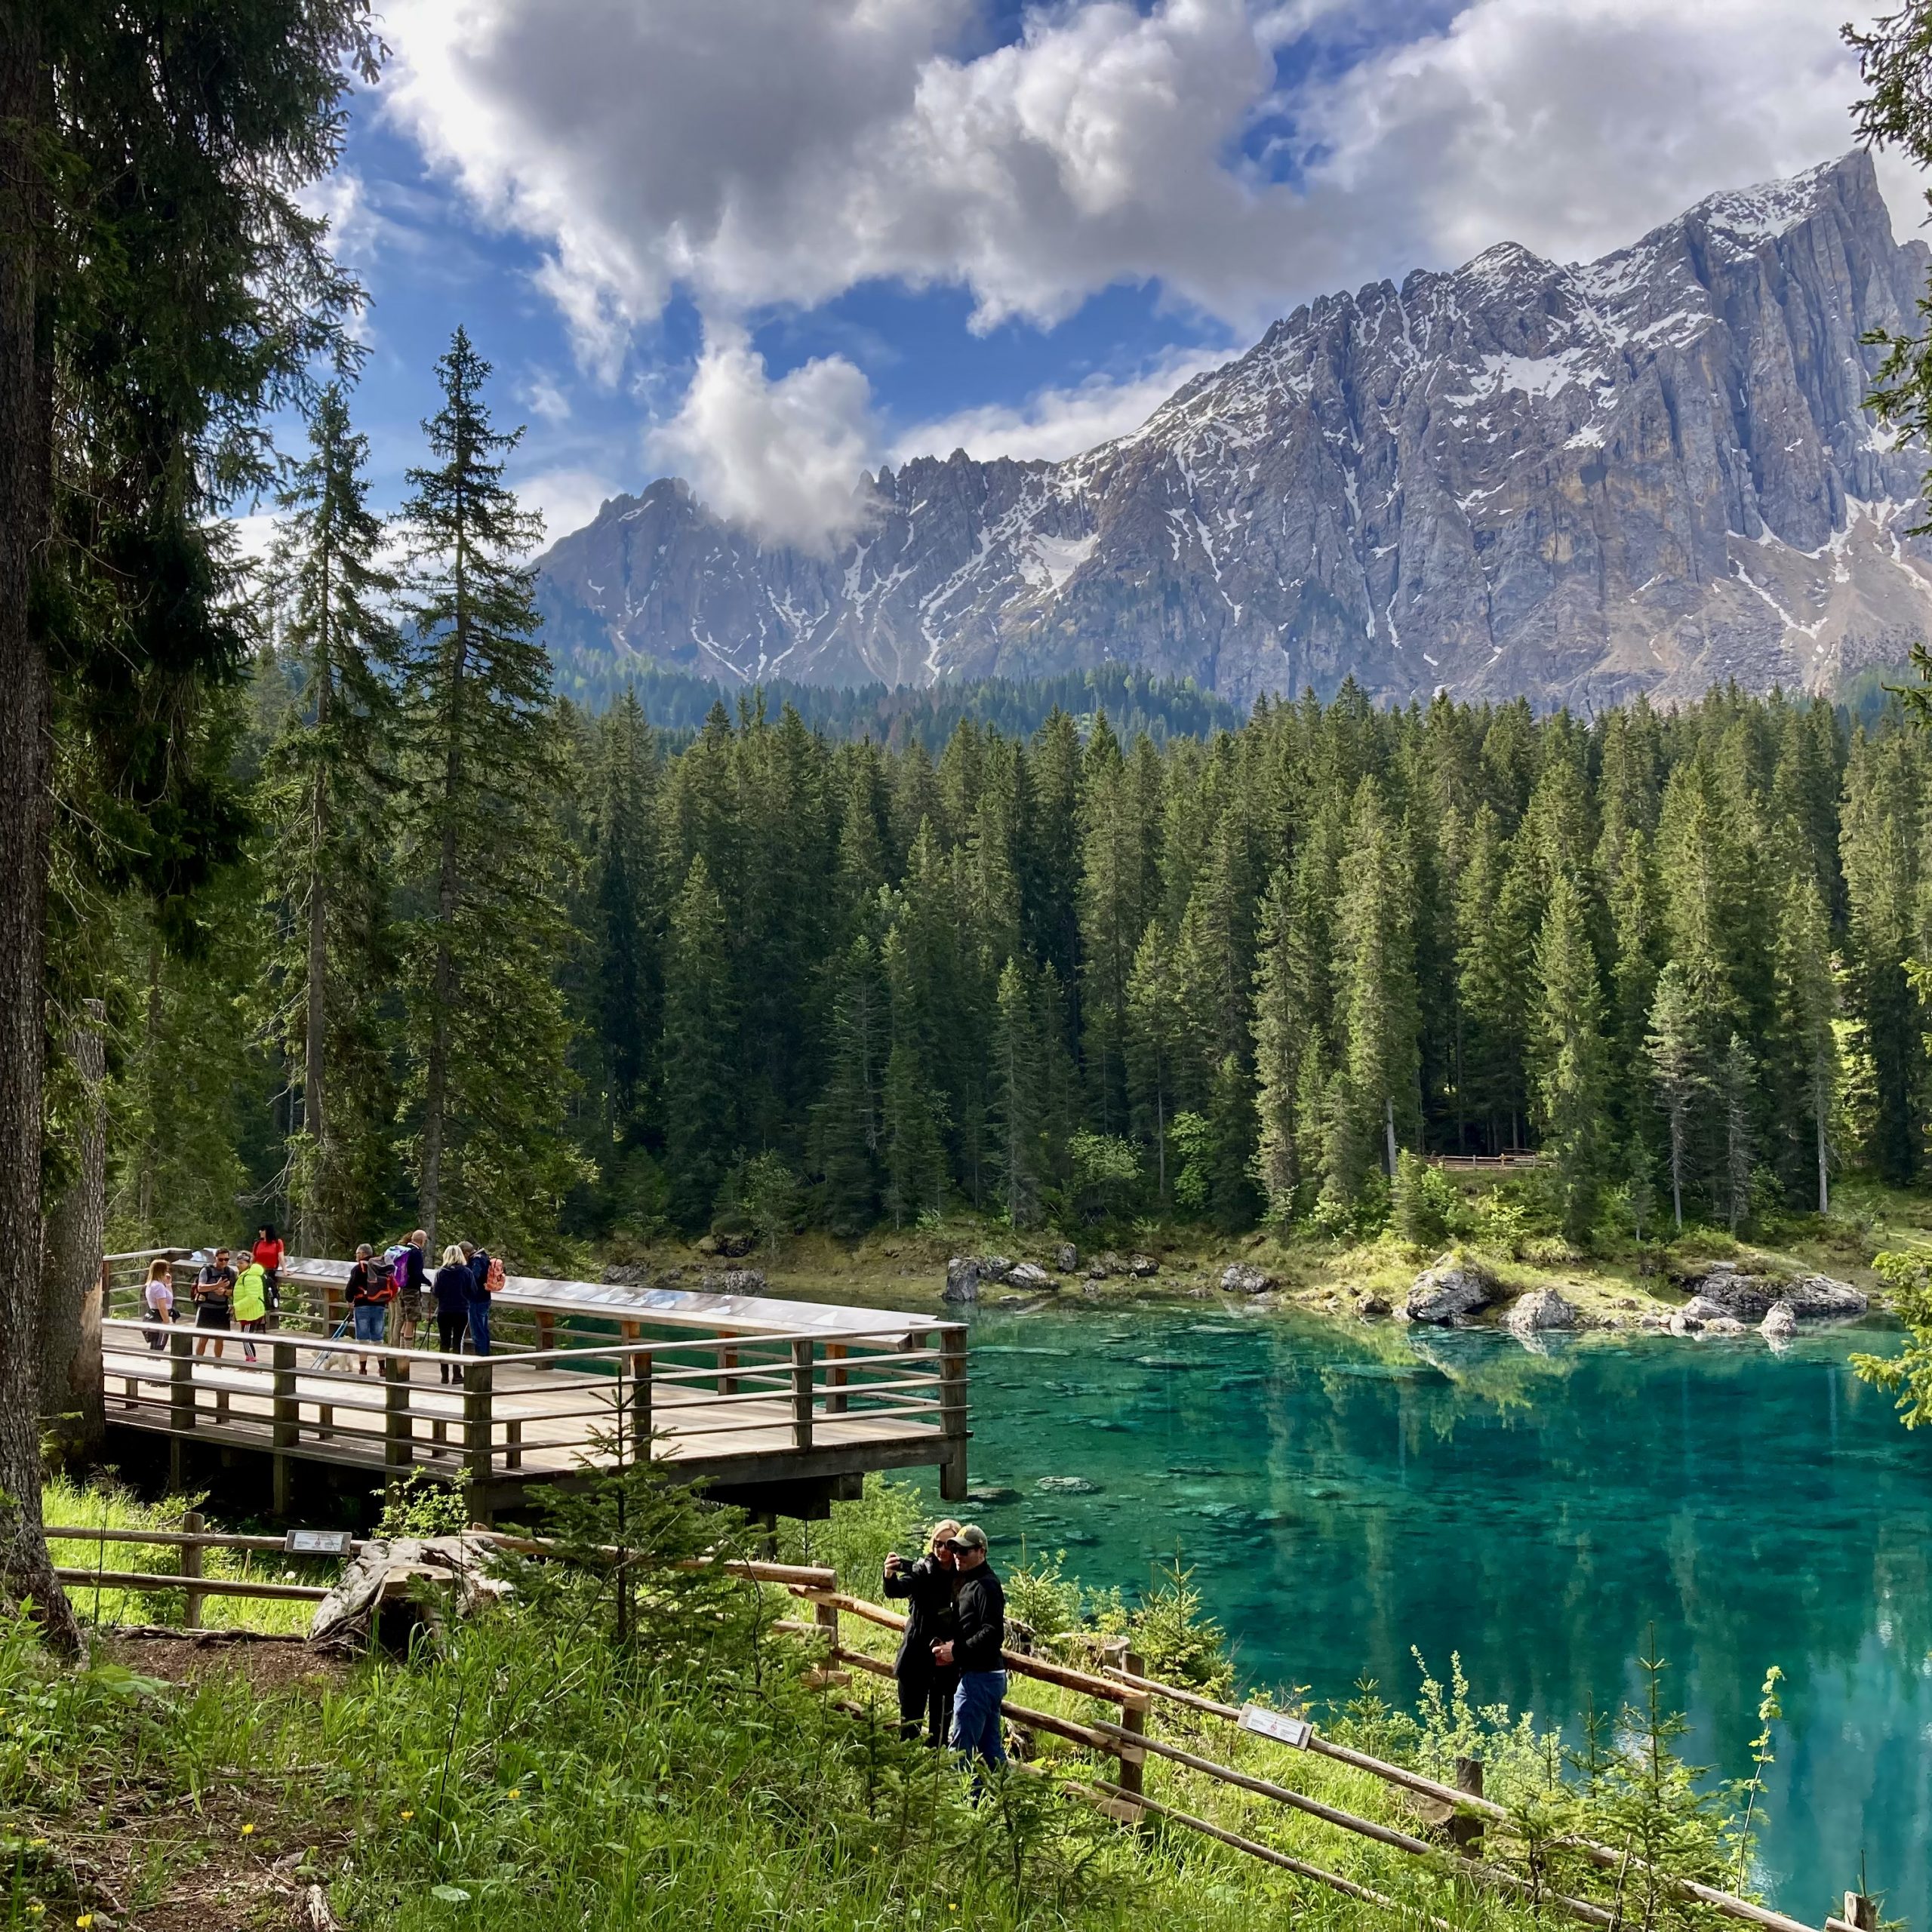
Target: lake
[(1343, 1495)]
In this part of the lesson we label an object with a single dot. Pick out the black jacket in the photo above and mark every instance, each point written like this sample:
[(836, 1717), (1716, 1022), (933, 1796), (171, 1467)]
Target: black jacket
[(453, 1283), (980, 1607), (928, 1586)]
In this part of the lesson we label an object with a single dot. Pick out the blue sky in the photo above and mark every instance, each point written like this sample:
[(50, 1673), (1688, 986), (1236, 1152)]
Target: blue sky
[(763, 242)]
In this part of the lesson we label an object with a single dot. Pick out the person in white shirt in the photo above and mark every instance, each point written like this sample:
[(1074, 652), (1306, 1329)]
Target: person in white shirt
[(158, 1295)]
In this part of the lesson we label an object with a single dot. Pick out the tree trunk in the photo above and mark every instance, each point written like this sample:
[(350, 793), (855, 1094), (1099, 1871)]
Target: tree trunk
[(436, 1071), (1389, 1131), (315, 1234), (26, 724), (1824, 1167), (72, 1407)]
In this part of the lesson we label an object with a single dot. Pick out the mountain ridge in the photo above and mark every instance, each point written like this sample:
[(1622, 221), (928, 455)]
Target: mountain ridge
[(1650, 471)]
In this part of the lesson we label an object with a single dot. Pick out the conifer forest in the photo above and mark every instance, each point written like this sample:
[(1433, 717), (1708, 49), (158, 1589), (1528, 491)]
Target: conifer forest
[(487, 958)]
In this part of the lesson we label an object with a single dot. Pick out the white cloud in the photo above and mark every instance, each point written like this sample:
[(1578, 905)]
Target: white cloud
[(757, 152), (566, 498), (541, 396), (782, 458), (1053, 423)]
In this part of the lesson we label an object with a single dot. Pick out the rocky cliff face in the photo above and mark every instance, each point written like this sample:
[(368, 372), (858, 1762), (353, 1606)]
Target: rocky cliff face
[(1649, 472)]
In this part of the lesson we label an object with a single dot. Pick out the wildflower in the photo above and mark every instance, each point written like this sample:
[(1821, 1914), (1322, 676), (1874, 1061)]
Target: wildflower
[(514, 1792), (85, 1920), (247, 1830), (407, 1815), (36, 1843), (35, 1908)]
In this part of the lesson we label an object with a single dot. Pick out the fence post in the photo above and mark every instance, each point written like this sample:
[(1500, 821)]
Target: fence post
[(1132, 1774), (191, 1566), (640, 1422), (952, 1412), (180, 1400), (727, 1359), (398, 1431), (477, 1446), (1466, 1832), (835, 1376), (287, 1429), (801, 1393), (1861, 1912)]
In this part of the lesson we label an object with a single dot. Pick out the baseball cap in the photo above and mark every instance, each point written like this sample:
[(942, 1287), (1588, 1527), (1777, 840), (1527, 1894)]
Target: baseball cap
[(968, 1536)]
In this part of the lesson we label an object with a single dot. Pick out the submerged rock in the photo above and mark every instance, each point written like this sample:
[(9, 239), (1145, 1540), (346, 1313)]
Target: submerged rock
[(1542, 1309), (1685, 1323), (1450, 1292), (1726, 1324), (1068, 1486), (1244, 1278), (1781, 1322)]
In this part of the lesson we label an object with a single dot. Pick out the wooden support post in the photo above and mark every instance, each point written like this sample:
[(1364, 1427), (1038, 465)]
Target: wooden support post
[(1861, 1912), (801, 1393), (513, 1442), (952, 1412), (835, 1376), (1133, 1717), (191, 1566), (181, 1379), (1466, 1831), (479, 1451), (398, 1429), (287, 1429), (547, 1333), (641, 1424), (727, 1359)]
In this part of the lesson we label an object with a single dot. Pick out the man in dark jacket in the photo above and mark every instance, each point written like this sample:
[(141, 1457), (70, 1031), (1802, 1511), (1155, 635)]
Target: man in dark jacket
[(977, 1652), (925, 1690)]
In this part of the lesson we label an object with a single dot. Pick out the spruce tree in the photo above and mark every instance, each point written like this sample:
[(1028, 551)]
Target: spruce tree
[(1285, 1042), (1567, 1038), (488, 1035), (1376, 998), (626, 935), (848, 1125), (1806, 998), (1156, 1025), (913, 1111), (328, 805), (1678, 1071), (700, 1111), (1015, 1098)]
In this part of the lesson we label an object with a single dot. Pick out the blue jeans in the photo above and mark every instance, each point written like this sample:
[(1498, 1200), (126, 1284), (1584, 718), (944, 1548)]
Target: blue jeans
[(976, 1715), (479, 1327), (372, 1320)]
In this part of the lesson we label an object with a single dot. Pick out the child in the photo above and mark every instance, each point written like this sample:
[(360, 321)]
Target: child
[(251, 1304)]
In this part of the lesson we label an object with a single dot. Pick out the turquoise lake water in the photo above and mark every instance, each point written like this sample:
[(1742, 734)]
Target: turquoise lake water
[(1343, 1495)]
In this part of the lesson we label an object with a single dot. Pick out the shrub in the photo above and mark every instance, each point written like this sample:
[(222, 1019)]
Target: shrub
[(1425, 1204)]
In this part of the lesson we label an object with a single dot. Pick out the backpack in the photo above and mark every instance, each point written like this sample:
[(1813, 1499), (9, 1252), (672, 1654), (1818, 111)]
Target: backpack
[(493, 1281), (398, 1259), (381, 1280)]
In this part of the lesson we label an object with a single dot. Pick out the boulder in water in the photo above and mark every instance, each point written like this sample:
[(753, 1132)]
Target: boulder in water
[(1819, 1298), (1067, 1486), (1244, 1278), (1034, 1280), (1066, 1257), (733, 1281), (1781, 1322), (962, 1279), (996, 1267), (1370, 1306), (1726, 1290), (1542, 1309), (1448, 1293)]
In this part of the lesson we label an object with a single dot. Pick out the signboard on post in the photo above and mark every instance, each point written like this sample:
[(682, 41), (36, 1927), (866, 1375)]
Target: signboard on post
[(317, 1543), (1277, 1724)]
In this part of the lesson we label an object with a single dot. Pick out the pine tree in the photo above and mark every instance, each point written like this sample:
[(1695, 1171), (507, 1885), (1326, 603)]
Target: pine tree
[(913, 1111), (487, 1035), (1567, 1033), (327, 804), (1679, 1070), (1492, 951), (1015, 1103), (626, 937), (1377, 994), (1807, 999), (700, 1112), (848, 1126), (1285, 1043), (1155, 1026), (1735, 1075)]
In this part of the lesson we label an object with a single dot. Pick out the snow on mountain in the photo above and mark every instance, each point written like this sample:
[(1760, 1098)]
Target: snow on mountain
[(1650, 471)]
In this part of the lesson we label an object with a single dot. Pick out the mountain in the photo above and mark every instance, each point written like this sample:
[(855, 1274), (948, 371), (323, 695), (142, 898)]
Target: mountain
[(1651, 472)]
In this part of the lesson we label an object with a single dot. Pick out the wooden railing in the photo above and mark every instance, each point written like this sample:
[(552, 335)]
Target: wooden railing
[(687, 1397)]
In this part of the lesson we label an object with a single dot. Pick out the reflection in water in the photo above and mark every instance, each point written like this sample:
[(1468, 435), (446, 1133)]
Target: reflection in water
[(1345, 1495)]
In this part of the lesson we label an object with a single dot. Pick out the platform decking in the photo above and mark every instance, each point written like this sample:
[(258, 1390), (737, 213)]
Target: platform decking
[(753, 1393)]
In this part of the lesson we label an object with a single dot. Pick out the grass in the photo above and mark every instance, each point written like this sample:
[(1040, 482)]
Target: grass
[(535, 1773), (109, 1507)]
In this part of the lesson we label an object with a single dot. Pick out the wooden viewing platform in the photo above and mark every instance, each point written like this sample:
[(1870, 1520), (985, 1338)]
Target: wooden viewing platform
[(780, 1405)]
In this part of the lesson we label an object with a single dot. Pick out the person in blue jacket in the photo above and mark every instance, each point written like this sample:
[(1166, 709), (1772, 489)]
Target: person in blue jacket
[(479, 1298)]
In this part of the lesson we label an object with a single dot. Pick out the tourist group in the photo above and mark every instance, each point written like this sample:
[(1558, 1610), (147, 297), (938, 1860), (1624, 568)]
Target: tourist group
[(389, 1292)]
